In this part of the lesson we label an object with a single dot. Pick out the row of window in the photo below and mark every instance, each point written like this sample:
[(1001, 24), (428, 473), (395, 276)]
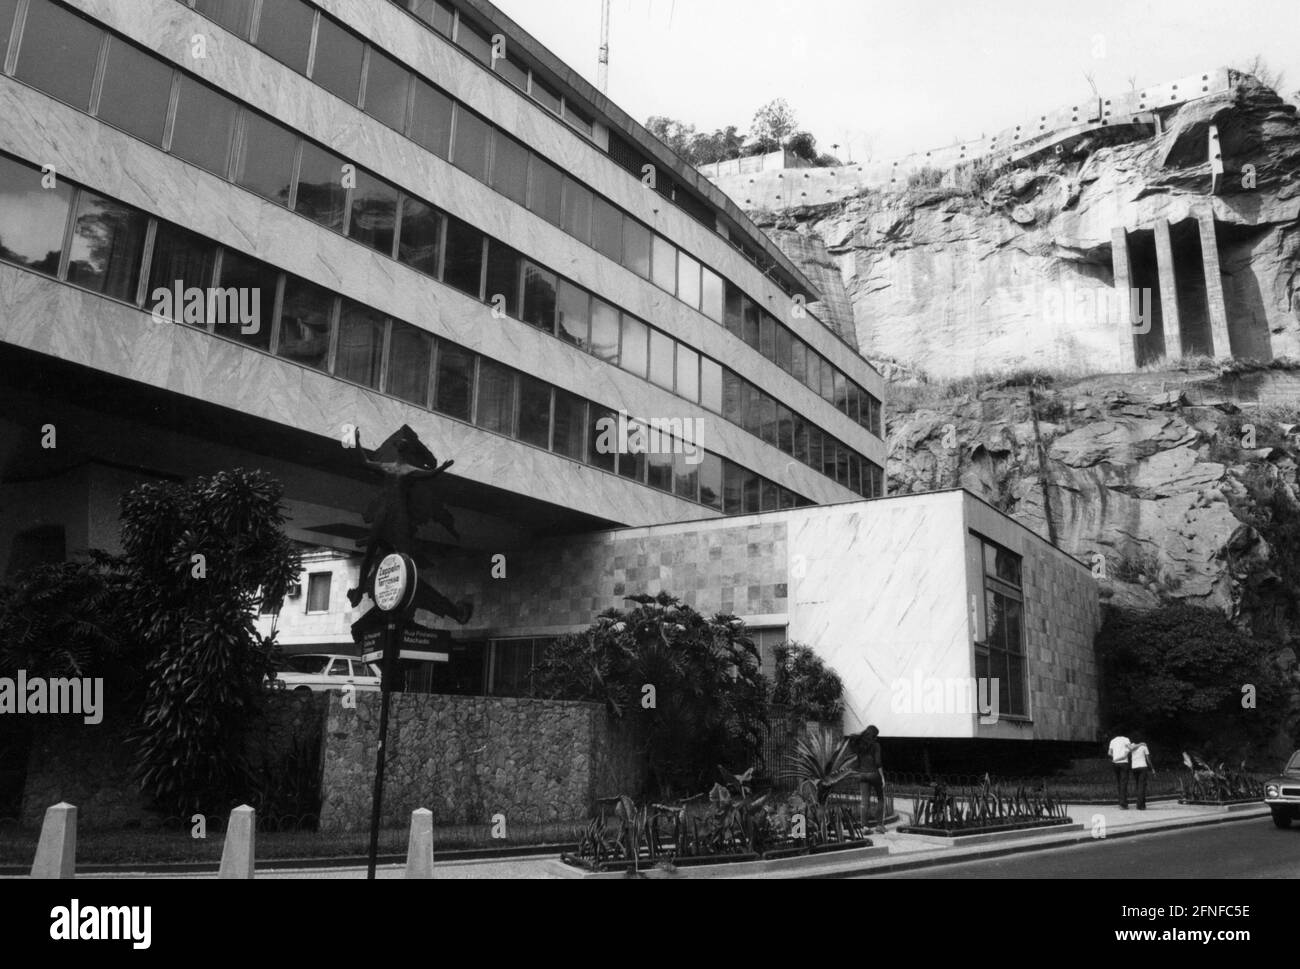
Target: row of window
[(210, 130), (446, 20), (1000, 658), (406, 102), (112, 249)]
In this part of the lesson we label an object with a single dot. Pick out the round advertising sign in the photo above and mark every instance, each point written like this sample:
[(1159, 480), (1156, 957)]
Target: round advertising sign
[(394, 582)]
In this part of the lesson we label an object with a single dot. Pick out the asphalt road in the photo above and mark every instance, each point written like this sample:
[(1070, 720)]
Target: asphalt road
[(1242, 849)]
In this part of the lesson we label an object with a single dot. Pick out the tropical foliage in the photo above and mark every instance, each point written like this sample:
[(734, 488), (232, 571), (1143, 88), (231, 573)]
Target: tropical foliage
[(985, 807), (690, 687), (806, 685)]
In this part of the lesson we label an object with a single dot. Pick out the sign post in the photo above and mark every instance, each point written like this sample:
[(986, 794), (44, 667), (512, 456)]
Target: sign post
[(394, 595)]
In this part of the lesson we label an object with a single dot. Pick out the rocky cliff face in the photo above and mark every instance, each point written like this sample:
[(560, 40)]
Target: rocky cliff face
[(1163, 482), (976, 271)]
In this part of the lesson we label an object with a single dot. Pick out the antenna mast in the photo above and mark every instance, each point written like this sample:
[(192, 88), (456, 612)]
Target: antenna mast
[(602, 73)]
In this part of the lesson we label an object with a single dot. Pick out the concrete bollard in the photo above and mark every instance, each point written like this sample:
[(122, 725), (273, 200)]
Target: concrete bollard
[(237, 852), (56, 854), (419, 850)]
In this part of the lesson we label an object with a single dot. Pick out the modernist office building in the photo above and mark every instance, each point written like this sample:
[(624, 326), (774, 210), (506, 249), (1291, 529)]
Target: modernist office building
[(430, 220)]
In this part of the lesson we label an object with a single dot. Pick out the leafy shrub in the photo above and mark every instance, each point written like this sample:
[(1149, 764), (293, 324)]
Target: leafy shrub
[(1175, 676), (709, 693), (804, 683), (194, 618)]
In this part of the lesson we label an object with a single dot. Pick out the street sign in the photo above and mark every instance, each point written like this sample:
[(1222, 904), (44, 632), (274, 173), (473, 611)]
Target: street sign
[(394, 583), (419, 656)]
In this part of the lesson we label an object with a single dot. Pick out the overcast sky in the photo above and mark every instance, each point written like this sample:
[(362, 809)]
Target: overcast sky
[(893, 76)]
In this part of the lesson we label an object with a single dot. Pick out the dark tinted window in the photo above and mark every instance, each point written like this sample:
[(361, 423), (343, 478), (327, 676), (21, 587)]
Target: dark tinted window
[(503, 272), (284, 32), (435, 13), (539, 297), (577, 210), (570, 426), (635, 346), (338, 60), (664, 264), (361, 345), (710, 472), (464, 258), (660, 468), (712, 296), (767, 336), (305, 324), (265, 160), (252, 284), (784, 348), (711, 385), (321, 195), (577, 119), (59, 53), (32, 219), (387, 85), (548, 98), (474, 41), (136, 92), (798, 359), (607, 229), (604, 330), (185, 260), (688, 280), (533, 425), (374, 213), (454, 382), (7, 10), (636, 248), (573, 308), (733, 485), (108, 247), (421, 236), (686, 477), (431, 119), (602, 450), (409, 355), (751, 324), (470, 152), (205, 126), (513, 71), (631, 465), (235, 15), (546, 187), (688, 373), (495, 406), (510, 168), (662, 365)]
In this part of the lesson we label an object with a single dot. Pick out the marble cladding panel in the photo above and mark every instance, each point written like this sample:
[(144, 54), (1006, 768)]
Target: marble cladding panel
[(878, 592), (566, 583)]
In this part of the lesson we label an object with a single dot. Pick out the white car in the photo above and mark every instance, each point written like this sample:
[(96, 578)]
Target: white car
[(321, 672)]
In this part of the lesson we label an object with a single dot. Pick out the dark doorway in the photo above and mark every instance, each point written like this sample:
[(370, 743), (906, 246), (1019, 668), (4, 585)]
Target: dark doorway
[(1145, 278), (1193, 300)]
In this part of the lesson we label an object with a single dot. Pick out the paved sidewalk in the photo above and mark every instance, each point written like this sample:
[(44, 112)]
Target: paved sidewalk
[(906, 851)]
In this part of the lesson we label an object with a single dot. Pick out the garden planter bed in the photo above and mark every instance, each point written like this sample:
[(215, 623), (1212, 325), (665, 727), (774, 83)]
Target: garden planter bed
[(622, 865), (1232, 803), (959, 833)]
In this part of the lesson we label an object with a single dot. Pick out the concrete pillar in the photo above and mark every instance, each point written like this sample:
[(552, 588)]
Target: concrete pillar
[(1124, 290), (419, 849), (1214, 286), (237, 852), (56, 853), (1173, 322)]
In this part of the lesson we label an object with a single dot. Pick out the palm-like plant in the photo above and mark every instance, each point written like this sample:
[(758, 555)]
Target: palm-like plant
[(819, 762)]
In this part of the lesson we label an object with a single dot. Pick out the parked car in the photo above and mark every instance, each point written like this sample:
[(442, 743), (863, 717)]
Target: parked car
[(1282, 793), (322, 672)]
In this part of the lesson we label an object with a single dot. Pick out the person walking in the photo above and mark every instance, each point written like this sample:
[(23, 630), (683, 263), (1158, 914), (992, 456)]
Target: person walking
[(1119, 757), (1142, 769), (870, 773)]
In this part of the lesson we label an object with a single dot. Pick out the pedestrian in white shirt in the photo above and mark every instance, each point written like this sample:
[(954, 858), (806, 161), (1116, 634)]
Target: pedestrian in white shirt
[(1119, 757), (1142, 768)]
